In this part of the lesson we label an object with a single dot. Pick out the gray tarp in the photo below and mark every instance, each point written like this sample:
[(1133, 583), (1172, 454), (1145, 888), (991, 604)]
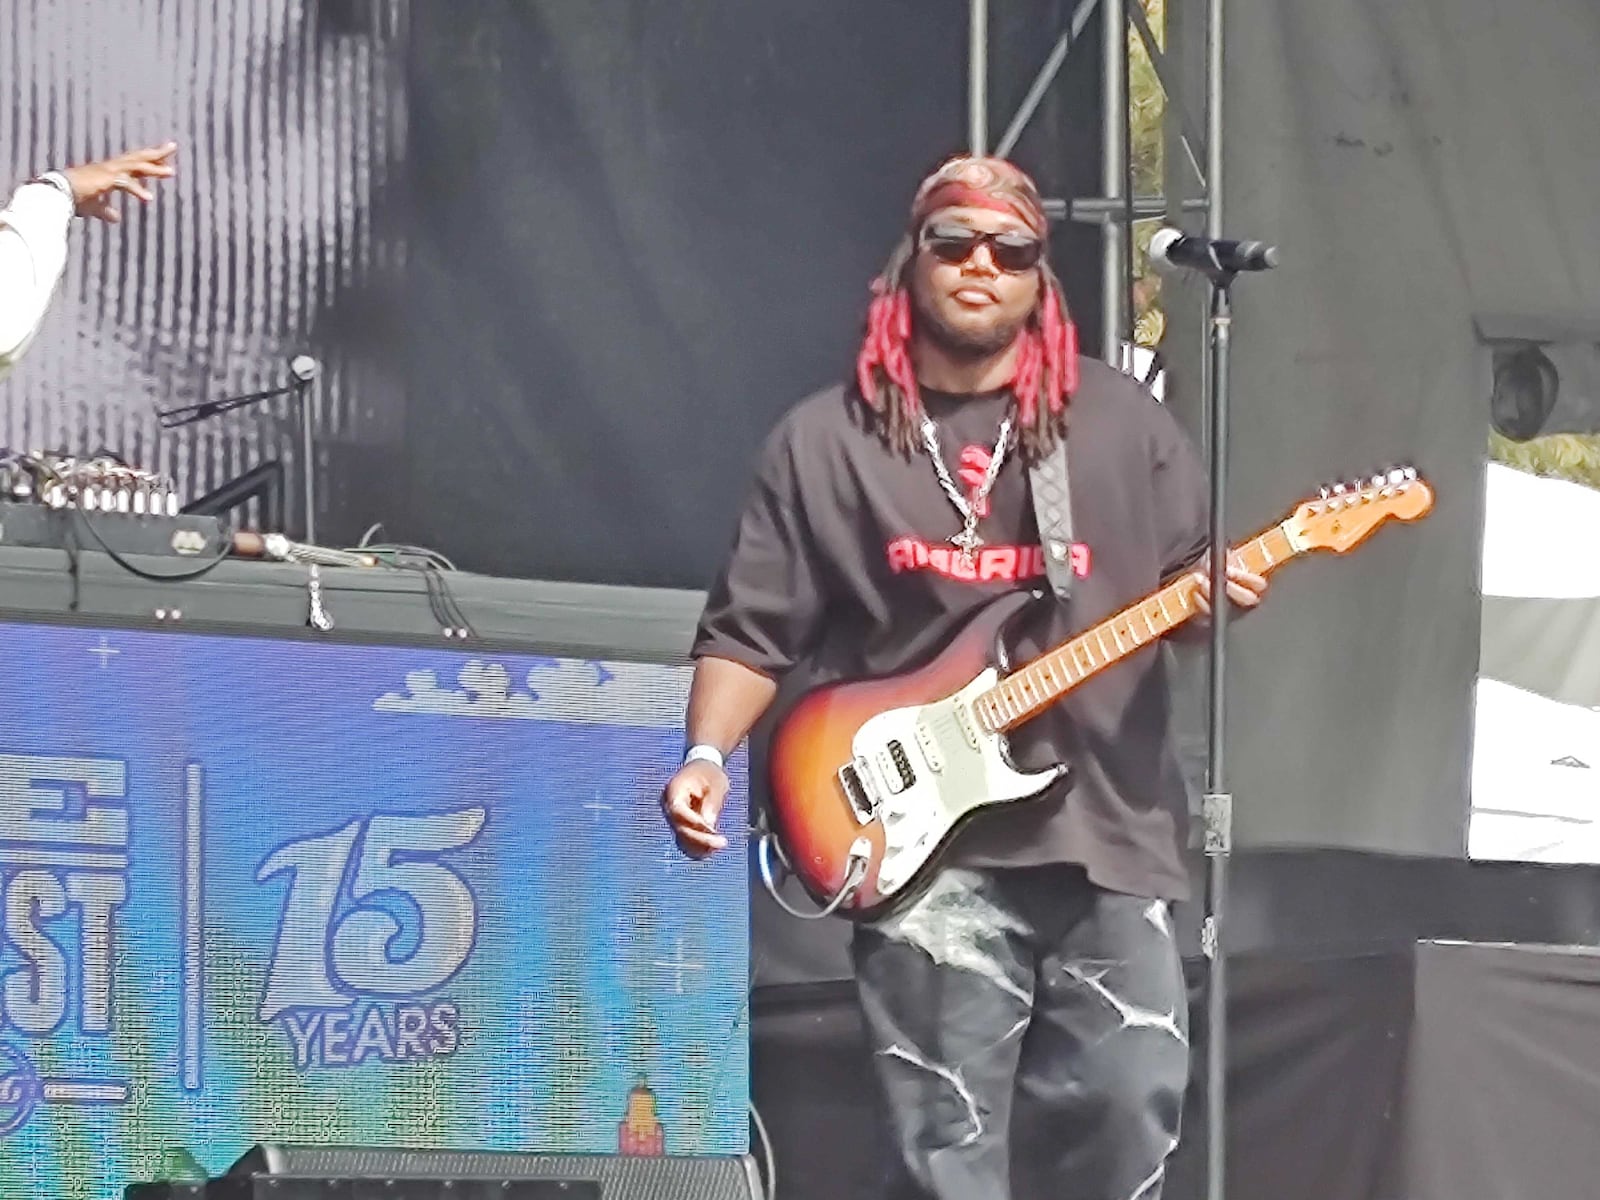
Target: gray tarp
[(1423, 164)]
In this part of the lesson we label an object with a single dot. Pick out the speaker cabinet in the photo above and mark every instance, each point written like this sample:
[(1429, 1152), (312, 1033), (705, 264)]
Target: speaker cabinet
[(619, 1177)]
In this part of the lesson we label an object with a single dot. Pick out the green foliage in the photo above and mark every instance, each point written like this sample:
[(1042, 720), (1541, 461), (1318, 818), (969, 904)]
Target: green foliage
[(1574, 457), (1146, 112), (1148, 104)]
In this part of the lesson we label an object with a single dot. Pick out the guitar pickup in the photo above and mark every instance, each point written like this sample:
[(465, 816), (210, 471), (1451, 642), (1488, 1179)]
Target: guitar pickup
[(929, 745), (894, 764), (968, 724), (858, 791)]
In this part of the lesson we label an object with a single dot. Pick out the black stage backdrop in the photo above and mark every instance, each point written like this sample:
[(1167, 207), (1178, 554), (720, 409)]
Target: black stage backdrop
[(645, 228)]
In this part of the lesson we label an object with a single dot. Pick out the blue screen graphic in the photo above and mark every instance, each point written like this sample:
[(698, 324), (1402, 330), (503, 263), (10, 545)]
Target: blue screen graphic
[(259, 890)]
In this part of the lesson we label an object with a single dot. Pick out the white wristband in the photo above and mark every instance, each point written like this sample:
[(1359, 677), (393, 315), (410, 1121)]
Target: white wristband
[(704, 753)]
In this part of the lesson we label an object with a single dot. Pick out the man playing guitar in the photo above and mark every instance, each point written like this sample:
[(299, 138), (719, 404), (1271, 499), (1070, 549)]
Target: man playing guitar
[(1026, 1007)]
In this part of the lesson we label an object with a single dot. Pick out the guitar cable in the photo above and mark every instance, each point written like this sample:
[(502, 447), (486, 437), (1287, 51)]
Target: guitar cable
[(132, 568), (769, 1158), (855, 873)]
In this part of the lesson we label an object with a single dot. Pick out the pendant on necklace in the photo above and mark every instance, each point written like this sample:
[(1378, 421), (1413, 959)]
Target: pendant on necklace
[(967, 541)]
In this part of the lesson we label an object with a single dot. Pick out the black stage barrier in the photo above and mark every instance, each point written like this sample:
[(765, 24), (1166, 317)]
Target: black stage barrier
[(1446, 1071)]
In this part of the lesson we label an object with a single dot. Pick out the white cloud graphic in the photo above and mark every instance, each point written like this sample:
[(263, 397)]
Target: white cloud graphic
[(550, 689)]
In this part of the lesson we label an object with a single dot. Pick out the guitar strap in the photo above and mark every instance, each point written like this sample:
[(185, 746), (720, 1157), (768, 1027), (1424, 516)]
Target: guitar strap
[(1052, 507)]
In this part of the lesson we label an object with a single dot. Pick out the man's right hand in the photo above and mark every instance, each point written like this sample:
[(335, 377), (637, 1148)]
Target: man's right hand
[(94, 185), (692, 802)]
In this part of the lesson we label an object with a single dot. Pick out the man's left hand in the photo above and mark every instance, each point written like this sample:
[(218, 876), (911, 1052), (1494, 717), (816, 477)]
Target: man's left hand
[(1245, 588)]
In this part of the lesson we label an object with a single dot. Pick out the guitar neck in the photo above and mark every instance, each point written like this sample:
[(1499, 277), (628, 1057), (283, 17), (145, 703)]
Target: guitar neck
[(1029, 690)]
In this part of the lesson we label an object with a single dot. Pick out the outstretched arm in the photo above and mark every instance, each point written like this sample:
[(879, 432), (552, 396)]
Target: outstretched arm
[(33, 233)]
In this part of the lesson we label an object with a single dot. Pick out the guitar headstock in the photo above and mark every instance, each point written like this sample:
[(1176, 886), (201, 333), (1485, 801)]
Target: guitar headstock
[(1346, 514)]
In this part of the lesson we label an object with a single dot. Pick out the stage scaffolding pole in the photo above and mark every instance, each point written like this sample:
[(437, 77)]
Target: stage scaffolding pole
[(1115, 233), (978, 76)]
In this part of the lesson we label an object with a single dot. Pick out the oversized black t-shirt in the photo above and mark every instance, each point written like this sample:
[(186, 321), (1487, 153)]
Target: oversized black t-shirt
[(842, 567)]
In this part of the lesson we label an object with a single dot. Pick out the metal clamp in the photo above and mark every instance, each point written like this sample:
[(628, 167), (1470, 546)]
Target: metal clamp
[(1216, 809), (319, 618)]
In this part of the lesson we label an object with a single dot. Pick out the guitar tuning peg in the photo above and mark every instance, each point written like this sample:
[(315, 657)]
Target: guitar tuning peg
[(1411, 474), (1338, 489)]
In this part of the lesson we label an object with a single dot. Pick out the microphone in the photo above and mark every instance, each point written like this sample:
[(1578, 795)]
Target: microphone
[(304, 368), (1174, 248)]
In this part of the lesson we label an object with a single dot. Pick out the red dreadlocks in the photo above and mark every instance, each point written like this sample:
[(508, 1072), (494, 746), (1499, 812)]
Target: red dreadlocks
[(1047, 359)]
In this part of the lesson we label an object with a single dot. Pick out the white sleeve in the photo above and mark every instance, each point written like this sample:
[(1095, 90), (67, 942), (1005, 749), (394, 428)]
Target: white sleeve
[(33, 253)]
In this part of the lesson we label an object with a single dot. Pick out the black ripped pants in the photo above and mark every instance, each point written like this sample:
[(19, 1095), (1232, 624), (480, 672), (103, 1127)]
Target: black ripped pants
[(1030, 1038)]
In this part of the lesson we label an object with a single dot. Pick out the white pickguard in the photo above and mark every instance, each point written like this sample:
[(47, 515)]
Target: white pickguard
[(954, 768)]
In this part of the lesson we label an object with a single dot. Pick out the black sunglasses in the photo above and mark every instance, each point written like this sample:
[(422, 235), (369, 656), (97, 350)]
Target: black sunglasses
[(954, 244)]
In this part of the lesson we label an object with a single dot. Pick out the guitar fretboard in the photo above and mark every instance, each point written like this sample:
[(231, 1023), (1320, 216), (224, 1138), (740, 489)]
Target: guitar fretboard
[(1026, 692)]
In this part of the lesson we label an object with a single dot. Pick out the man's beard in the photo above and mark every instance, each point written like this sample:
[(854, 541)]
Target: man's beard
[(965, 345)]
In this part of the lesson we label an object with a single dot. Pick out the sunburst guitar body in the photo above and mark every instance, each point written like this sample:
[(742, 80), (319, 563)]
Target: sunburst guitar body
[(869, 779)]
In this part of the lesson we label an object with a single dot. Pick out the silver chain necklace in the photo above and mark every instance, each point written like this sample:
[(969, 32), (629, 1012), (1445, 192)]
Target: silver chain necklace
[(967, 540)]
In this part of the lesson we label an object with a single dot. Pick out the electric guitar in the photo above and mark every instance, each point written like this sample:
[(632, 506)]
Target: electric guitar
[(870, 778)]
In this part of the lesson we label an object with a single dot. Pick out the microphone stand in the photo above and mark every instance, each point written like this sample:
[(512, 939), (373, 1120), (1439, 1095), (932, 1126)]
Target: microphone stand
[(317, 616), (175, 418), (1217, 811), (308, 470), (305, 370), (1220, 262)]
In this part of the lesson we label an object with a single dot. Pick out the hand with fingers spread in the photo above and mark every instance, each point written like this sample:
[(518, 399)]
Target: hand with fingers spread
[(95, 185), (692, 802)]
